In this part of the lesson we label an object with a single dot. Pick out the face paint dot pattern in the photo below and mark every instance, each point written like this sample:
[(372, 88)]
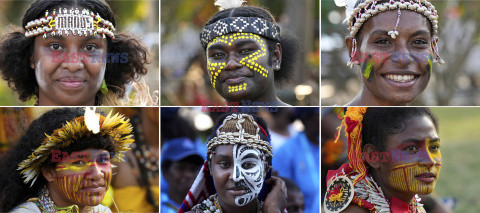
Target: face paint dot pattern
[(249, 61), (237, 88)]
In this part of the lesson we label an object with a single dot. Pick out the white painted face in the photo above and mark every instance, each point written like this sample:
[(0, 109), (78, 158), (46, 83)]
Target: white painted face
[(248, 172)]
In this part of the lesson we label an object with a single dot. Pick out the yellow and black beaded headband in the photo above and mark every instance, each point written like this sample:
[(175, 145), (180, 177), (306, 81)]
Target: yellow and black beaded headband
[(115, 126), (359, 13), (228, 25), (70, 21)]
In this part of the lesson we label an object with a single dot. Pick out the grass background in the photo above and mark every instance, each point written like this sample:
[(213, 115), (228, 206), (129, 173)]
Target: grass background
[(460, 147)]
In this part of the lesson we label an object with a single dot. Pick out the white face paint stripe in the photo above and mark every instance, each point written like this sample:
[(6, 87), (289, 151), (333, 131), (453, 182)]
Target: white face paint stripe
[(248, 172)]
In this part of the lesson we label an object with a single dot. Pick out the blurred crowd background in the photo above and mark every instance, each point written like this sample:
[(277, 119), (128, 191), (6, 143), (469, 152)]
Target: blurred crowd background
[(183, 76), (457, 82), (138, 18)]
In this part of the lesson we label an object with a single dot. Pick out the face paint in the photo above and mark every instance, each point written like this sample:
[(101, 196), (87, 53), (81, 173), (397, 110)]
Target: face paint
[(418, 177), (78, 181), (368, 70), (250, 61), (237, 88), (429, 65), (248, 172)]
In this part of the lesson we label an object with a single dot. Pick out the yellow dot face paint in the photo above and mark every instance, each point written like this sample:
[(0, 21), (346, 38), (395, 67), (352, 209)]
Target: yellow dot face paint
[(83, 181), (216, 64), (420, 176)]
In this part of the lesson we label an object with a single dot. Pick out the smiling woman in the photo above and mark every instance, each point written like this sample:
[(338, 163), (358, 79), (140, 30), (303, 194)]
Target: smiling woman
[(393, 44), (394, 156), (68, 53), (63, 162)]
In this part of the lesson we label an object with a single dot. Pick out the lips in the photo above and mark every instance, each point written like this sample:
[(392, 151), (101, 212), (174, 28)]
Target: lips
[(71, 82), (426, 177), (401, 78), (93, 189)]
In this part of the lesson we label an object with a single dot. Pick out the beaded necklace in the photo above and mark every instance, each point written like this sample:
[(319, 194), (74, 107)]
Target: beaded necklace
[(46, 204)]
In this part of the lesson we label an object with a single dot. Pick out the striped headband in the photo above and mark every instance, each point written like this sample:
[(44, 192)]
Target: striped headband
[(228, 25)]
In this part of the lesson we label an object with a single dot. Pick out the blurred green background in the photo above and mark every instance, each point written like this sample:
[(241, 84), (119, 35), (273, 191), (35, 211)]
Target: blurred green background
[(183, 77), (136, 17), (459, 135)]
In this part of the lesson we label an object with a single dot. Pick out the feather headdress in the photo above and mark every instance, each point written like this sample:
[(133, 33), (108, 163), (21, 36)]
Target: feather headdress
[(117, 127), (226, 4)]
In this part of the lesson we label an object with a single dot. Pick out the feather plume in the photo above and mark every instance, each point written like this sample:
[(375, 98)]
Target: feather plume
[(226, 4)]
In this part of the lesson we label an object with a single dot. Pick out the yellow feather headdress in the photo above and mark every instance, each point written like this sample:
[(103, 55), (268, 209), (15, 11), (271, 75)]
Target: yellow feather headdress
[(117, 127)]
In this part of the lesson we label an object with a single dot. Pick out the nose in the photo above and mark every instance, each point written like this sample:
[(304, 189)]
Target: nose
[(232, 63), (402, 55), (94, 172), (237, 176), (73, 61), (428, 159)]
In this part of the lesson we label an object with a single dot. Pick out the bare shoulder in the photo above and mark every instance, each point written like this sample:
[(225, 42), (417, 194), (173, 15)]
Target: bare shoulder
[(355, 208)]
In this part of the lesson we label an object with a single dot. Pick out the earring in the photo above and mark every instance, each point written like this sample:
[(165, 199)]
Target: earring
[(103, 87), (350, 63)]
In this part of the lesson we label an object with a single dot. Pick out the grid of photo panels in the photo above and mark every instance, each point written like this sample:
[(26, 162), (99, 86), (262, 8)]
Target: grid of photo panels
[(178, 106)]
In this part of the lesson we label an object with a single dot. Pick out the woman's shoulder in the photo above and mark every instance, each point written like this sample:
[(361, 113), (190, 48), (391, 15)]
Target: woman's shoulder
[(28, 207)]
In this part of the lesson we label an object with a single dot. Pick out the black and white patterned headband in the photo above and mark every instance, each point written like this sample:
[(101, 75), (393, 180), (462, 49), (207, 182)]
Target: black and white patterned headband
[(228, 25)]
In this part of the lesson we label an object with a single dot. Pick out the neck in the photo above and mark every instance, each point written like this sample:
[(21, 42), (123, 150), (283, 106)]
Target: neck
[(389, 192), (366, 98), (250, 207), (45, 101)]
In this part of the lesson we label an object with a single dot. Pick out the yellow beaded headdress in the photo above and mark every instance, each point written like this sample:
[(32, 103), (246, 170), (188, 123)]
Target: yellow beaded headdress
[(352, 121), (117, 127)]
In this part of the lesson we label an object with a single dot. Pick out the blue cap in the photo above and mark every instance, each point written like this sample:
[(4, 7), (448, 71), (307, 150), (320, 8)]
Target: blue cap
[(178, 149)]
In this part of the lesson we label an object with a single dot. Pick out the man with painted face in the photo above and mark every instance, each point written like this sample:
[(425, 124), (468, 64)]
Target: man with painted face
[(246, 54), (237, 174), (70, 167), (394, 156)]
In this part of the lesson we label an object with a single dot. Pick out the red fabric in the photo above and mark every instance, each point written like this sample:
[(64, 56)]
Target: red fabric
[(398, 206), (363, 203), (331, 173)]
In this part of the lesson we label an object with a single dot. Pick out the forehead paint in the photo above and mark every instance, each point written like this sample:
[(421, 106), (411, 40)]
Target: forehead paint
[(250, 61), (368, 70), (404, 177), (79, 168), (237, 87), (248, 173)]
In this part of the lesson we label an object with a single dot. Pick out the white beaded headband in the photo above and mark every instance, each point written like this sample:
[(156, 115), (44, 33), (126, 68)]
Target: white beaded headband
[(359, 14), (240, 136), (68, 21)]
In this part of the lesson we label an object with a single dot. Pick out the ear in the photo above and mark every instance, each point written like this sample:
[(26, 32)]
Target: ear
[(48, 174), (372, 156), (349, 43), (277, 57), (32, 63)]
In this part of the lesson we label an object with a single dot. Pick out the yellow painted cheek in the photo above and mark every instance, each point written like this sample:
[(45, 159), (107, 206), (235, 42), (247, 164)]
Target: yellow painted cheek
[(402, 178)]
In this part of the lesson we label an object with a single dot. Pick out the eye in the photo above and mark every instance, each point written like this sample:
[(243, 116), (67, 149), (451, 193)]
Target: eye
[(247, 51), (217, 55), (382, 41), (224, 164), (78, 163), (435, 148), (104, 159), (90, 47), (420, 41), (248, 165), (56, 47), (411, 149)]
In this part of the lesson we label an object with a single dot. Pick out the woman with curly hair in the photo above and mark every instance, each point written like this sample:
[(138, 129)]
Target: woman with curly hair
[(68, 53), (63, 162), (247, 56)]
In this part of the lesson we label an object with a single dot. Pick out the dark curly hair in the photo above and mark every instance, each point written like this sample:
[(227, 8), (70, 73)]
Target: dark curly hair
[(381, 122), (16, 51), (288, 42), (13, 191)]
